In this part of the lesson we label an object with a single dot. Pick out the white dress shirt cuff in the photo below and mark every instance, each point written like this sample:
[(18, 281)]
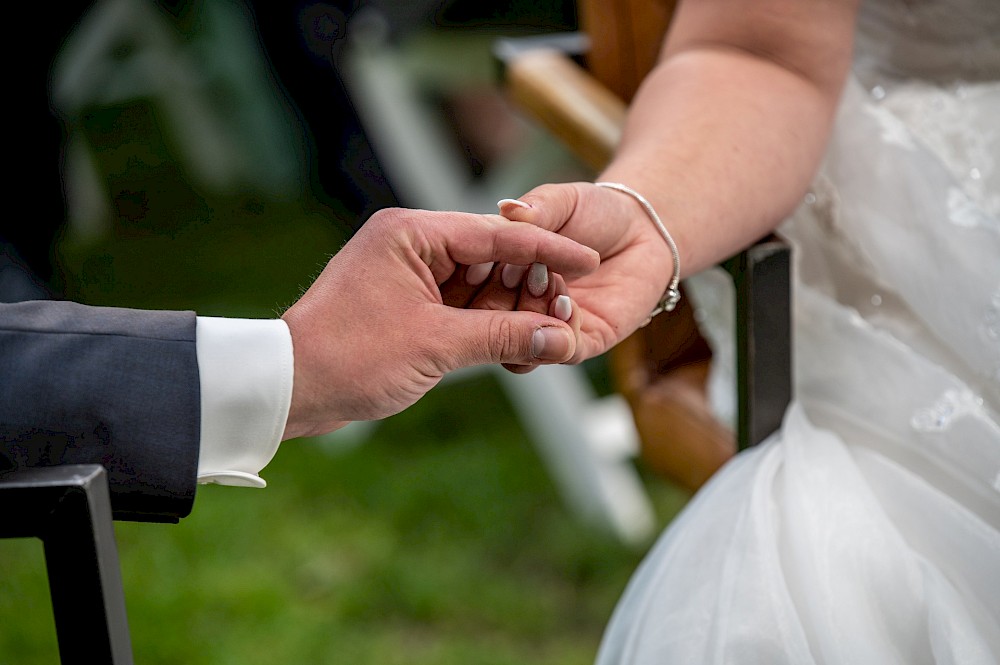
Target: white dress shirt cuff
[(246, 370)]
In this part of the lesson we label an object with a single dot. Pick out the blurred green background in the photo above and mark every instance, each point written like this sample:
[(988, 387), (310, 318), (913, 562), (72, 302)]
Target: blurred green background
[(434, 537)]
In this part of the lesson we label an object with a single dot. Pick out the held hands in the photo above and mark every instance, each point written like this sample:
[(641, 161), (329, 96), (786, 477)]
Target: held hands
[(374, 332), (635, 261)]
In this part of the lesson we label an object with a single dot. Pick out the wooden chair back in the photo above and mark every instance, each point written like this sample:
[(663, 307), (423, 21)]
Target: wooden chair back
[(625, 38)]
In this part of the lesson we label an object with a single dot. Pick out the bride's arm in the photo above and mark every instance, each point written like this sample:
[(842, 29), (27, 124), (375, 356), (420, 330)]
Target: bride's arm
[(723, 138), (726, 133)]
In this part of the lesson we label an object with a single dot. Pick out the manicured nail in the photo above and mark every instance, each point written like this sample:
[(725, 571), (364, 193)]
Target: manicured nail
[(563, 308), (512, 274), (521, 204), (477, 273), (548, 344), (538, 279)]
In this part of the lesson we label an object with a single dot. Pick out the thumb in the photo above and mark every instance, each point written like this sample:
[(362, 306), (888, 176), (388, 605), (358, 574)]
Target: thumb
[(480, 337), (548, 206)]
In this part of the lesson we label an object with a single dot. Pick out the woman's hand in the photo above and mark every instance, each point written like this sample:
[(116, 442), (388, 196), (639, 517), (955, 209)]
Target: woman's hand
[(636, 263)]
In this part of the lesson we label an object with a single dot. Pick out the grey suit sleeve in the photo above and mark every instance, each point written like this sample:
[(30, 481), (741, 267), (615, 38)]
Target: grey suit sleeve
[(112, 386)]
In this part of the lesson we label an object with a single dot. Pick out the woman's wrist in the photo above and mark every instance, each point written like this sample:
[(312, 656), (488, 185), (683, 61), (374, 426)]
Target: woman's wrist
[(647, 252), (671, 294)]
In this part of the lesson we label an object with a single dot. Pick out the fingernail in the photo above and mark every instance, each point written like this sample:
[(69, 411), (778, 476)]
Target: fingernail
[(538, 279), (521, 204), (563, 308), (547, 342), (477, 273), (512, 274)]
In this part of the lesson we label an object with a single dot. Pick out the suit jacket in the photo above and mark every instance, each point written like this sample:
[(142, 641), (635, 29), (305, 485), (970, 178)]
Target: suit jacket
[(118, 387)]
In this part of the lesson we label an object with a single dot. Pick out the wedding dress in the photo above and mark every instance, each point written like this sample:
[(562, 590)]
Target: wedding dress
[(867, 529)]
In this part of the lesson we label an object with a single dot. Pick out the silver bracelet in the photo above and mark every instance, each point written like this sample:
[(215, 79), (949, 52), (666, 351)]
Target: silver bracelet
[(673, 293)]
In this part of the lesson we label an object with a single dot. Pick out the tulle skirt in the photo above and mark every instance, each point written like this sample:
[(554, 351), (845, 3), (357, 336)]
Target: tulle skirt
[(867, 530)]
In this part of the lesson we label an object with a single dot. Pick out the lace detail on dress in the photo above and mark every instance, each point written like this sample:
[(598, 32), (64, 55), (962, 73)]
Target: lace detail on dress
[(952, 405), (966, 214), (945, 120), (894, 132), (928, 39)]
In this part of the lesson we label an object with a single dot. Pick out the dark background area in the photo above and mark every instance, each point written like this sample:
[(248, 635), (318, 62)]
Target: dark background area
[(302, 42)]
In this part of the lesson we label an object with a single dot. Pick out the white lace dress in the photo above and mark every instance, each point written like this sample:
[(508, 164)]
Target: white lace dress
[(867, 530)]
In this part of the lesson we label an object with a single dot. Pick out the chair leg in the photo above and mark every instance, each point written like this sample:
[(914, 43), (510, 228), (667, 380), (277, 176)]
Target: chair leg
[(587, 443), (69, 509), (662, 371), (762, 275)]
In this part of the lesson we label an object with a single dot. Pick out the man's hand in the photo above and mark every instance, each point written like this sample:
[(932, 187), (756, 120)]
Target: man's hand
[(373, 334)]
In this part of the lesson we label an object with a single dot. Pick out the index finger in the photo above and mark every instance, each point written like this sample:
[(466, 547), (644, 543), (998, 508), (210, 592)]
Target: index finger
[(445, 239), (522, 243)]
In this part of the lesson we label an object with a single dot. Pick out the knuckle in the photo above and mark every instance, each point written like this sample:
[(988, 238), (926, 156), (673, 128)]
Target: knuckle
[(503, 343), (392, 218)]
